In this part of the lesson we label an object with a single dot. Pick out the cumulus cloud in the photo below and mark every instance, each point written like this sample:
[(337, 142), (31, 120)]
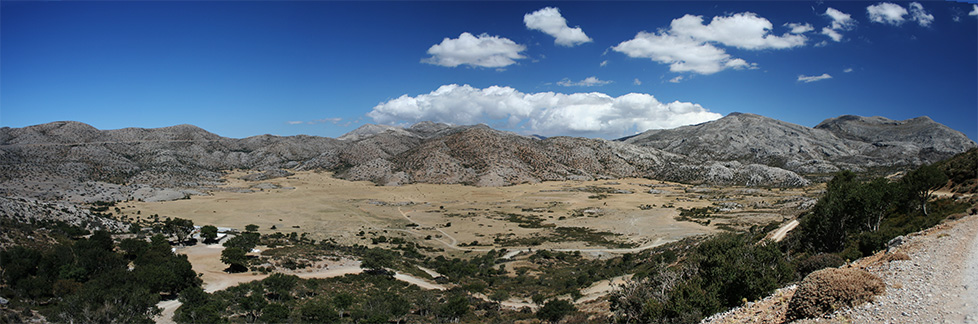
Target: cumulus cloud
[(587, 82), (676, 79), (294, 122), (831, 33), (689, 45), (799, 28), (604, 63), (847, 70), (682, 53), (545, 113), (886, 13), (549, 21), (840, 20), (637, 82), (813, 78), (743, 30), (974, 10), (482, 51), (918, 14)]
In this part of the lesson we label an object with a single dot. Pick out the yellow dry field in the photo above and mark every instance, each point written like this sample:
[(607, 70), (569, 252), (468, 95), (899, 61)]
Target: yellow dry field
[(452, 217)]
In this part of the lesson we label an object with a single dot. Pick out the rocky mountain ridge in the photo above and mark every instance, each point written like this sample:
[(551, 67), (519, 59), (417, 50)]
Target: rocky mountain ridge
[(846, 142), (740, 149)]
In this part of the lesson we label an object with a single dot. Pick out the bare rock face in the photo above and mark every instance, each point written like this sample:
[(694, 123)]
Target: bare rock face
[(827, 290), (26, 210), (847, 142), (912, 141)]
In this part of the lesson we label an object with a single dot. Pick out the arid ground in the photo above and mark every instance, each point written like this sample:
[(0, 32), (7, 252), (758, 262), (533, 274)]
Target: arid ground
[(604, 216)]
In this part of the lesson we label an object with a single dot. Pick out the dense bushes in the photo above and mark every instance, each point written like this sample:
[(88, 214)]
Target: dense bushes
[(856, 218), (720, 273), (90, 283)]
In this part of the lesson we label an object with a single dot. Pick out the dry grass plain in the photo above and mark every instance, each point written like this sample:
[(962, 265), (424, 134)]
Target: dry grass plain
[(604, 215)]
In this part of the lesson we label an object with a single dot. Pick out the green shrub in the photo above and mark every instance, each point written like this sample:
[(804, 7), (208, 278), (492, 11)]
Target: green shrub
[(818, 262)]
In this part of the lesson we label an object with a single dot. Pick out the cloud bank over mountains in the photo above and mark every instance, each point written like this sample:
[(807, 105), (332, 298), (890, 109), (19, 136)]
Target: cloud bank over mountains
[(544, 113), (691, 44)]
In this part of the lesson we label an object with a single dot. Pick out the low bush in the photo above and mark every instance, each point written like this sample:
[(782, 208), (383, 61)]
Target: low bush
[(828, 290)]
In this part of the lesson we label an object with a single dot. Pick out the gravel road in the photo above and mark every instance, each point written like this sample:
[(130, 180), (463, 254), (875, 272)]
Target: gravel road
[(939, 284)]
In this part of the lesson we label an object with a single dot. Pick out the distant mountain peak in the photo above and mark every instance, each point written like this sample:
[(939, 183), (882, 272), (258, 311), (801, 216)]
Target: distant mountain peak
[(368, 130)]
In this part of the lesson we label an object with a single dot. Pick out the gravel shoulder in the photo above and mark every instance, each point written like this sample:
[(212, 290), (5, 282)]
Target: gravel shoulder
[(939, 284)]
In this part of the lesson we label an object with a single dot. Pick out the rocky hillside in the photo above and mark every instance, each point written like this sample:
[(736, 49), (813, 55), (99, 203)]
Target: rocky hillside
[(847, 142), (740, 149)]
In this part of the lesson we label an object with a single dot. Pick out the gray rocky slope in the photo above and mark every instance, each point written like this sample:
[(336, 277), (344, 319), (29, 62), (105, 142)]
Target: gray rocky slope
[(76, 162), (846, 142)]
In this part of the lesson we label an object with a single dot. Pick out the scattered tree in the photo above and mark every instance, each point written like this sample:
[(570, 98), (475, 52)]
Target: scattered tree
[(209, 233), (921, 183), (554, 310), (236, 259), (455, 308), (179, 227)]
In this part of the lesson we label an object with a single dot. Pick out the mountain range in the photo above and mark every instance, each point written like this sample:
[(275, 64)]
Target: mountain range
[(75, 161)]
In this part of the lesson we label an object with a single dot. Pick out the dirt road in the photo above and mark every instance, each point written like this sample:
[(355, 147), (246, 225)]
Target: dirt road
[(780, 233), (939, 284)]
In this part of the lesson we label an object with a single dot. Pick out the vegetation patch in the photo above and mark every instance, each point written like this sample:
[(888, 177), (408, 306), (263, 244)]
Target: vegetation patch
[(526, 221)]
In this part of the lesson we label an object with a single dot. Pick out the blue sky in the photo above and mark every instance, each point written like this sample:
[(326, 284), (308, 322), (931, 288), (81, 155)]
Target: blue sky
[(597, 69)]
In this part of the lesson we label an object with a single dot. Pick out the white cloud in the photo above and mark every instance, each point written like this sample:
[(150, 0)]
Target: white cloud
[(799, 28), (840, 20), (682, 53), (690, 46), (587, 82), (886, 13), (831, 33), (637, 82), (847, 70), (974, 10), (604, 63), (813, 78), (743, 30), (676, 79), (918, 14), (545, 113), (483, 51), (334, 121), (549, 21)]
